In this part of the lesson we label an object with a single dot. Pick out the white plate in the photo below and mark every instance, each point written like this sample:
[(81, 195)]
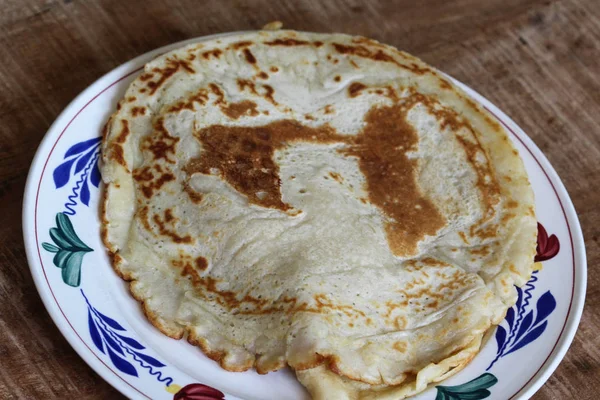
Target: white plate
[(95, 312)]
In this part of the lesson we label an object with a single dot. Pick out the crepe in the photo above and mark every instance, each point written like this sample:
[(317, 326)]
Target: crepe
[(321, 201)]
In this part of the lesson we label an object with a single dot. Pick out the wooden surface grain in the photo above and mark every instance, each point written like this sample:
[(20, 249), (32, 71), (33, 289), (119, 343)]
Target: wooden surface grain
[(538, 60)]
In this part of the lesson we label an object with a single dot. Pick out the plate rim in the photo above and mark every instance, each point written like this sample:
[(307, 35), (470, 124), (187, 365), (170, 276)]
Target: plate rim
[(123, 71)]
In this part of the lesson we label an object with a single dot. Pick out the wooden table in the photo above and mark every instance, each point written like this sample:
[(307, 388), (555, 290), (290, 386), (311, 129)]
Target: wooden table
[(538, 60)]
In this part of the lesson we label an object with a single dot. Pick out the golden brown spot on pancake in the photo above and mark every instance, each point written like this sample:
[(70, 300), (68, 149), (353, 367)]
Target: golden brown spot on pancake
[(444, 84), (322, 302), (217, 92), (399, 346), (143, 90), (262, 75), (135, 111), (236, 110), (215, 53), (506, 217), (335, 61), (143, 175), (191, 57), (482, 251), (274, 69), (201, 263), (165, 231), (117, 153), (161, 144), (337, 78), (173, 65), (513, 269), (390, 178), (192, 194), (249, 56), (328, 109), (269, 94), (309, 117), (143, 217), (148, 183), (391, 93), (336, 176), (318, 43), (244, 158), (245, 83), (432, 262), (200, 97), (131, 99), (364, 52), (400, 323), (377, 55), (355, 89), (145, 77), (169, 215), (463, 237), (484, 233), (239, 45), (531, 211), (287, 42)]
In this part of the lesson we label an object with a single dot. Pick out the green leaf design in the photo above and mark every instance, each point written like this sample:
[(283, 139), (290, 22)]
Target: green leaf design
[(475, 389), (69, 250), (50, 247), (71, 273), (66, 227), (58, 238), (60, 259)]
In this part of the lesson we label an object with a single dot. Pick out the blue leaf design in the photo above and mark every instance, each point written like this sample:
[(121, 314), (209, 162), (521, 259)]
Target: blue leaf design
[(80, 147), (150, 360), (530, 337), (131, 342), (110, 322), (85, 193), (525, 325), (510, 317), (94, 333), (500, 336), (519, 298), (545, 305), (62, 173), (111, 342), (95, 175), (82, 161), (121, 364)]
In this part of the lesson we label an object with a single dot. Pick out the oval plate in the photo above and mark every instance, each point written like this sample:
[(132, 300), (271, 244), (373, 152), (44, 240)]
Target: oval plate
[(93, 309)]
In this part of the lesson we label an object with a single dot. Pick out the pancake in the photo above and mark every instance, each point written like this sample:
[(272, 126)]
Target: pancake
[(318, 201)]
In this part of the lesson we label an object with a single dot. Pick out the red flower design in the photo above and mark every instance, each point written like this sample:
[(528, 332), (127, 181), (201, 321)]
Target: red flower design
[(547, 247), (197, 391)]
